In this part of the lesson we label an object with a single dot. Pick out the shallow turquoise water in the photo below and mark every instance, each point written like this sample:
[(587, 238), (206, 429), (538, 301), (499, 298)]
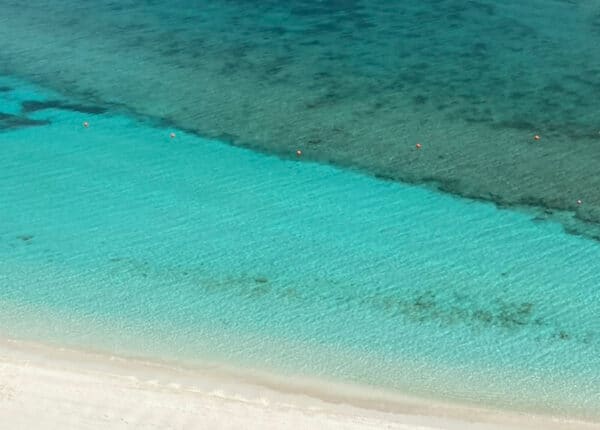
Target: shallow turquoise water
[(120, 238)]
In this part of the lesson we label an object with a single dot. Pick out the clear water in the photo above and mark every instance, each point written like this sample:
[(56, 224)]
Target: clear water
[(353, 82), (121, 238)]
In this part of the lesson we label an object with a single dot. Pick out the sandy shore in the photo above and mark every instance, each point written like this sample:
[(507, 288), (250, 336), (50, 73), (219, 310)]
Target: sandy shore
[(50, 388)]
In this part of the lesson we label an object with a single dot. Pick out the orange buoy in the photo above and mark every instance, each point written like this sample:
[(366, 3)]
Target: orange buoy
[(418, 146), (172, 135), (298, 153), (536, 137), (86, 124)]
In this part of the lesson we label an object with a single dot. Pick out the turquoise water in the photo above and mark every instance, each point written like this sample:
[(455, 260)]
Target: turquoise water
[(120, 238), (355, 83)]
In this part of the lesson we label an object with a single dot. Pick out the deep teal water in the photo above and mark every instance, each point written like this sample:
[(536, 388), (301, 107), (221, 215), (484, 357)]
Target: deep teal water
[(119, 238)]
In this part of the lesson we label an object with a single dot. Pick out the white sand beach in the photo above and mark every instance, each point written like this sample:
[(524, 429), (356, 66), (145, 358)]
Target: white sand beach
[(52, 388)]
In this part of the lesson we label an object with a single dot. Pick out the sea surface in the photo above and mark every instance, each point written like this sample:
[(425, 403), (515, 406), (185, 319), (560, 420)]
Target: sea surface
[(219, 244), (356, 83)]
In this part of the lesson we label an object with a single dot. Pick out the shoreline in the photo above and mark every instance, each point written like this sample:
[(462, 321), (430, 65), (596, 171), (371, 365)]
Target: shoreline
[(78, 389), (139, 270)]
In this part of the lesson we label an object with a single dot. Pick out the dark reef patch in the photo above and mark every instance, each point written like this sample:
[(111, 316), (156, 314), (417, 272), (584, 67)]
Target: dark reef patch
[(9, 122), (419, 99), (446, 308), (460, 310), (227, 137), (29, 106)]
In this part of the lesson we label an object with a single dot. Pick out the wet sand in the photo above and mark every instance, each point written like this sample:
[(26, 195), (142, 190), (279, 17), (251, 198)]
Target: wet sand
[(47, 387)]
